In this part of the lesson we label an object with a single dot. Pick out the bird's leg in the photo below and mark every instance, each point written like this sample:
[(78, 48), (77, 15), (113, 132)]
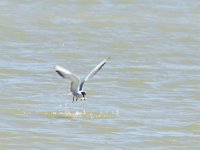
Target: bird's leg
[(76, 98), (73, 99)]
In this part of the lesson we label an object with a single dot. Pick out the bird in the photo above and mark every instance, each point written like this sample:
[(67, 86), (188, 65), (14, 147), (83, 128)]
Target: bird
[(76, 88)]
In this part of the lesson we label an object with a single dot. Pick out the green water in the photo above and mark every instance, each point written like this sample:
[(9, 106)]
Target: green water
[(146, 97)]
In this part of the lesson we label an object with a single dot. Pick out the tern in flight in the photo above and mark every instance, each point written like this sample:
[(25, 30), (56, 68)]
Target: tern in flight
[(76, 88)]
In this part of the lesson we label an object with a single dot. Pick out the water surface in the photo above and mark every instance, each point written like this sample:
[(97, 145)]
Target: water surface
[(145, 97)]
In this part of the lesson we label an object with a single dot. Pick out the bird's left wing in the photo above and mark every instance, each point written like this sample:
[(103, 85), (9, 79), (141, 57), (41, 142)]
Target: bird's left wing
[(66, 74)]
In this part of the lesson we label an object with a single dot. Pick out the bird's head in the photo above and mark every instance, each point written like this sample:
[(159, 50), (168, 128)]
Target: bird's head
[(83, 93)]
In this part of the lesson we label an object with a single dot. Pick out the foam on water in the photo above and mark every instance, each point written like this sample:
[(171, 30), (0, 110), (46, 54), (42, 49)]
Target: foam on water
[(80, 112), (68, 112)]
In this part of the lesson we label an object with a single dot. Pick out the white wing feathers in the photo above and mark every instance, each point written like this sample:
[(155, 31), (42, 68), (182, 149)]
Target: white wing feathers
[(76, 83), (66, 74), (93, 72), (96, 69)]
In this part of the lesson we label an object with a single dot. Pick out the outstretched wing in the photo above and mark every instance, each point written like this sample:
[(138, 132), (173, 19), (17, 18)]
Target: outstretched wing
[(66, 74), (93, 72)]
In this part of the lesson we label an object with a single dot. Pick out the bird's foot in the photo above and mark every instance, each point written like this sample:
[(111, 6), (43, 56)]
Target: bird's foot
[(83, 98)]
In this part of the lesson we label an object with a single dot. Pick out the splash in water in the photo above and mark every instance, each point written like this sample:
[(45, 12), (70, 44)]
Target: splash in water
[(80, 112)]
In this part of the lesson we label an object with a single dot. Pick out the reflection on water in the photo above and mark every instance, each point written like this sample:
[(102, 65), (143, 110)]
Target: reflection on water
[(81, 112), (68, 113), (78, 114)]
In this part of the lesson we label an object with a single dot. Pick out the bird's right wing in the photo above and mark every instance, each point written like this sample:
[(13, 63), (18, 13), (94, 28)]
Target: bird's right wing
[(93, 72), (66, 74)]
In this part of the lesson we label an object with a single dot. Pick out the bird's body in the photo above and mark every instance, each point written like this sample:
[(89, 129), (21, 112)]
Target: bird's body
[(78, 95), (76, 88)]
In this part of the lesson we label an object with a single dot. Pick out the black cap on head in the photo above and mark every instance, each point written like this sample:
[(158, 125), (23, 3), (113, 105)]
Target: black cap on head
[(83, 93)]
